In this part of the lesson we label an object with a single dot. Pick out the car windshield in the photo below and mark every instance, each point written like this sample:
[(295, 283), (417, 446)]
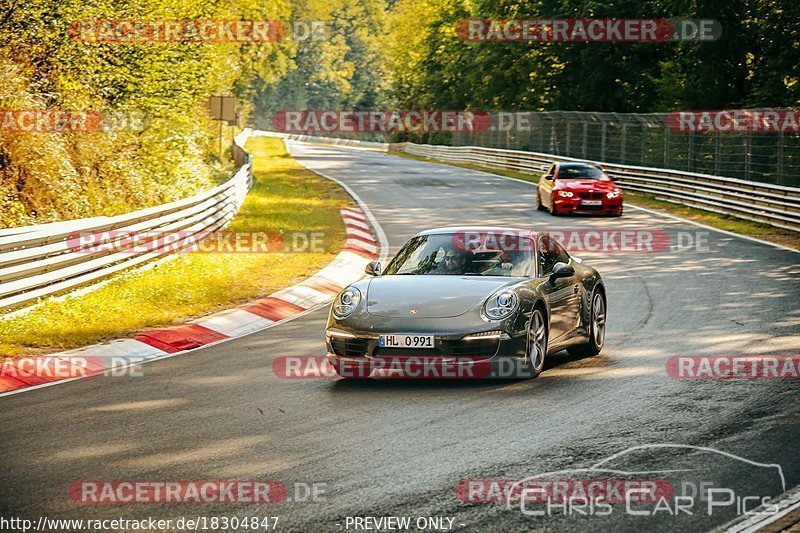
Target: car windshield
[(583, 172), (464, 254)]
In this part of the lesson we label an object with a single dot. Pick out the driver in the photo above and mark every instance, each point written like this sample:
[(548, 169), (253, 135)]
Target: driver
[(453, 263)]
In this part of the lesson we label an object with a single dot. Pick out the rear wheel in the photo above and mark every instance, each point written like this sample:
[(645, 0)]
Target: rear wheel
[(536, 349), (597, 328)]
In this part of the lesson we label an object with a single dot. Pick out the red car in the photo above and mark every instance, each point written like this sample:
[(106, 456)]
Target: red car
[(578, 188)]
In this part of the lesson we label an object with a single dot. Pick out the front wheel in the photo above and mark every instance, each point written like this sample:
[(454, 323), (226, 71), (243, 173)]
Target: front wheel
[(536, 349), (597, 329)]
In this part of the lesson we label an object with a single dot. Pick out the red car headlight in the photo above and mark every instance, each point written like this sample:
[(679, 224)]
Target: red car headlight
[(565, 194), (614, 194)]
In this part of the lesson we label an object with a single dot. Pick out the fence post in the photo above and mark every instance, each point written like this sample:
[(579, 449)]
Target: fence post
[(585, 137), (567, 150), (747, 154), (541, 147), (780, 158), (603, 141), (644, 144)]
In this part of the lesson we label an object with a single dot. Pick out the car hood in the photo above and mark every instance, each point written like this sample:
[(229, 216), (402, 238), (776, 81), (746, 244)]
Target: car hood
[(430, 296), (586, 185)]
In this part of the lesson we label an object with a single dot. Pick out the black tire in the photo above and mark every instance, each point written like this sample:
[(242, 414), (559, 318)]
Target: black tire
[(552, 210), (597, 330), (534, 363)]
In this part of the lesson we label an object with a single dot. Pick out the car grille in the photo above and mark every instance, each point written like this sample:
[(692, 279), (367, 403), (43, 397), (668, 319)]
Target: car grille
[(591, 195), (476, 347), (591, 208), (349, 347)]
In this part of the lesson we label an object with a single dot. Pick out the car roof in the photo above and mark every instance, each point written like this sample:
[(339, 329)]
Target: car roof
[(482, 229), (576, 164)]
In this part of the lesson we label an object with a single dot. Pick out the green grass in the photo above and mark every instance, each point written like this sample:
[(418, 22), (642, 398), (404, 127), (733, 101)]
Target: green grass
[(285, 197), (737, 225)]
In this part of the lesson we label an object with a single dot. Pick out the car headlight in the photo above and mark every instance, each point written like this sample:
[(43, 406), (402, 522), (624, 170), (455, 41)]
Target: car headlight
[(500, 305), (565, 194), (346, 302), (614, 194)]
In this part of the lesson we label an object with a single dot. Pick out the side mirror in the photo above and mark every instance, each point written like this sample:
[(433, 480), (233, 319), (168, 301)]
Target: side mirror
[(561, 270), (373, 268), (548, 177)]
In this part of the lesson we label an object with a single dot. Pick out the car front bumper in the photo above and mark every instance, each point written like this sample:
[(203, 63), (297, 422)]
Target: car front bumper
[(483, 351), (574, 205)]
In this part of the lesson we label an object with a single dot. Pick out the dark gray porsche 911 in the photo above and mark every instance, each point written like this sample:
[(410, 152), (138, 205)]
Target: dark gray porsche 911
[(501, 297)]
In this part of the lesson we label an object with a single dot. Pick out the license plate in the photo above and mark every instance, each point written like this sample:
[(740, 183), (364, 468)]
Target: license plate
[(592, 202), (406, 341)]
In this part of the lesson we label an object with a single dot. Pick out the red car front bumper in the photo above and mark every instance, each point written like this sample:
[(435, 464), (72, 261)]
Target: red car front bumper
[(608, 206)]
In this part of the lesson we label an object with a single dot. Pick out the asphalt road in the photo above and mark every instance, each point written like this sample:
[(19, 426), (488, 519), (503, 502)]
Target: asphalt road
[(401, 447)]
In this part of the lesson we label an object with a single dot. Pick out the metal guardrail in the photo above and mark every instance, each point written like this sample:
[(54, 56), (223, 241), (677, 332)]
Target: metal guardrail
[(646, 140), (776, 205), (46, 259), (333, 141)]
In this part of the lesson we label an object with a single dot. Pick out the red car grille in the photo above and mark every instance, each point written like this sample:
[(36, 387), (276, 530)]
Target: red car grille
[(591, 195)]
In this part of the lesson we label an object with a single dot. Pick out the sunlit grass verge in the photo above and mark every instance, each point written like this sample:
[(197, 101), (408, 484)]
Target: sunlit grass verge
[(285, 197), (737, 225)]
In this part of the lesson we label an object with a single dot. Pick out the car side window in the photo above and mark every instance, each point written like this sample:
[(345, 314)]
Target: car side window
[(547, 255), (551, 170), (561, 254)]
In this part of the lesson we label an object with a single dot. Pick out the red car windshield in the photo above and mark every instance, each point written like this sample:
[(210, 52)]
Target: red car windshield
[(583, 172)]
